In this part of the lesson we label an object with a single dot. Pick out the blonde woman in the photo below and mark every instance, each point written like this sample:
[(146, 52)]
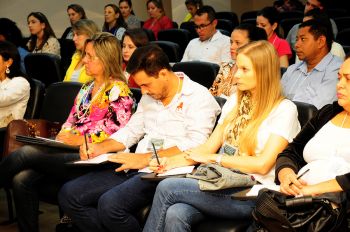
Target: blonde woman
[(82, 30), (258, 123)]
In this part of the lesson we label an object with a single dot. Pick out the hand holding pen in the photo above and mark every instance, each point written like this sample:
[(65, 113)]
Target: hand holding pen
[(301, 175), (159, 166), (84, 150)]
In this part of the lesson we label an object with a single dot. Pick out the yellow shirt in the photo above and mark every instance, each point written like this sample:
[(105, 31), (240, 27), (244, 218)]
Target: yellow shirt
[(83, 77)]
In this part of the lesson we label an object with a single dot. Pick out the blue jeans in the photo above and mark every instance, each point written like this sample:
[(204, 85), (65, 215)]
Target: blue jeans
[(25, 169), (106, 200), (179, 203)]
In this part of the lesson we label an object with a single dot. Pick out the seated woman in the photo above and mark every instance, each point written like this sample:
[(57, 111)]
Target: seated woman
[(224, 84), (322, 146), (158, 20), (82, 30), (114, 22), (192, 7), (14, 88), (258, 122), (132, 39), (130, 19), (10, 32), (101, 107), (42, 38), (75, 13), (267, 18)]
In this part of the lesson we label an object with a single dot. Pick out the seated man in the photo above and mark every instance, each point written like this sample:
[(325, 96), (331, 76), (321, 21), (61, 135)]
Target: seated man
[(174, 111), (314, 79), (211, 45), (309, 5)]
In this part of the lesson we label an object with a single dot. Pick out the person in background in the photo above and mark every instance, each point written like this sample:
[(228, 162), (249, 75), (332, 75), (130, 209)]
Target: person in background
[(14, 87), (114, 21), (192, 7), (211, 45), (132, 39), (82, 30), (314, 79), (10, 32), (158, 20), (256, 124), (75, 13), (323, 5), (130, 19), (267, 18), (322, 147), (42, 38), (225, 84), (102, 107), (318, 15)]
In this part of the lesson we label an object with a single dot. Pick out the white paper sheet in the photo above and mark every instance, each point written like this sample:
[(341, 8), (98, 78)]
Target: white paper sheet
[(96, 160), (256, 188), (171, 172)]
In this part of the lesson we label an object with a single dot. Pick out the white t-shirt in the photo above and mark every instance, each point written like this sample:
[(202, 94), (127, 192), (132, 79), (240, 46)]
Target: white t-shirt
[(282, 121), (327, 154)]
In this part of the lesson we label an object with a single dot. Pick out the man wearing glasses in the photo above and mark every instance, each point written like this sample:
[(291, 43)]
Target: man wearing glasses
[(211, 45)]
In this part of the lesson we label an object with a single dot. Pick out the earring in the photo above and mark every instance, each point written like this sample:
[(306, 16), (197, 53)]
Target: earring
[(7, 70)]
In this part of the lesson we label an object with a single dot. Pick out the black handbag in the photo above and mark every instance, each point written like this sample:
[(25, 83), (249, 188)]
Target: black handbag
[(277, 212)]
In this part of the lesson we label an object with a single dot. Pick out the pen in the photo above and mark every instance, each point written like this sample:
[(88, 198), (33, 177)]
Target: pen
[(155, 153), (86, 146), (301, 175)]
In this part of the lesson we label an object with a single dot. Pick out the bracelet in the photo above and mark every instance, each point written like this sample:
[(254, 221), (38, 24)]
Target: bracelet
[(218, 159)]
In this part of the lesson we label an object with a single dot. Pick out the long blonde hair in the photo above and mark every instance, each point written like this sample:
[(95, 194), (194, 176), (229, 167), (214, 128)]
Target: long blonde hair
[(268, 92)]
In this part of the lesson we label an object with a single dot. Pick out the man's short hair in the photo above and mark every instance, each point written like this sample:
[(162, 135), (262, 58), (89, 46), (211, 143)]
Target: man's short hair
[(319, 28), (206, 9), (150, 59)]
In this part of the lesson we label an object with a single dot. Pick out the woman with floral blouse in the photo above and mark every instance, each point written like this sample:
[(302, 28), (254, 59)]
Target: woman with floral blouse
[(101, 107)]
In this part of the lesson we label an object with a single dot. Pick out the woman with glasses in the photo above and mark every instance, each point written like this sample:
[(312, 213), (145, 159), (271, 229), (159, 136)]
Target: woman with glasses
[(101, 107), (158, 20), (82, 30), (42, 38)]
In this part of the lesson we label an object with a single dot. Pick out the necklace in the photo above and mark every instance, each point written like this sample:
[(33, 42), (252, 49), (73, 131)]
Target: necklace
[(83, 105), (342, 124)]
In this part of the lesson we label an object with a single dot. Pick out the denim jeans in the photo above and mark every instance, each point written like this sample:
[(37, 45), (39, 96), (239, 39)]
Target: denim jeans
[(25, 168), (179, 203), (106, 200)]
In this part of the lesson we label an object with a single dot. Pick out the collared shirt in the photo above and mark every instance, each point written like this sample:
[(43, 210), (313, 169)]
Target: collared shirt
[(214, 50), (185, 122), (317, 87)]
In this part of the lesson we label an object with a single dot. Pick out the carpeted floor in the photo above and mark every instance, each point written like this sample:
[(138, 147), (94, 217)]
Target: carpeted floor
[(47, 219)]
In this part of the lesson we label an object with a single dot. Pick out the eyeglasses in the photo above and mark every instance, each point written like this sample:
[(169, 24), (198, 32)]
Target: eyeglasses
[(90, 58), (202, 26)]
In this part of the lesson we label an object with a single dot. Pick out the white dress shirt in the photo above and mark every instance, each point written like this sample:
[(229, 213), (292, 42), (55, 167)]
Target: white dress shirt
[(14, 95), (185, 122), (214, 50)]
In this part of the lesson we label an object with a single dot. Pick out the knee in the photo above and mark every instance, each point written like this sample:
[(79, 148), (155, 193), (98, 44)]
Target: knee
[(66, 196), (175, 213), (24, 153), (107, 211), (22, 180), (165, 187)]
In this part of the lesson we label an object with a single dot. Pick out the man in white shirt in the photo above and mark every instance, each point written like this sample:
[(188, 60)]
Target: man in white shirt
[(211, 45), (174, 112)]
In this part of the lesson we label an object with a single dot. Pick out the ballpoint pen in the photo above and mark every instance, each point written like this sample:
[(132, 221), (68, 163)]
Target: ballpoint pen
[(301, 175)]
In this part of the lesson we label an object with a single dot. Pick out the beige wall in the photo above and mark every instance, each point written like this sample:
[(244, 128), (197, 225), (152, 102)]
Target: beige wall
[(55, 10)]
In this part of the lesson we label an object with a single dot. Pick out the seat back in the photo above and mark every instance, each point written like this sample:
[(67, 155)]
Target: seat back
[(136, 93), (150, 34), (342, 22), (203, 73), (179, 36), (189, 26), (225, 25), (248, 15), (170, 48), (44, 67), (228, 15), (37, 91), (343, 37), (58, 101), (288, 23), (305, 112), (67, 51)]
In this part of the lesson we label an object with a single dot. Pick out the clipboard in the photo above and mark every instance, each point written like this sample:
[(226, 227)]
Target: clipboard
[(40, 141)]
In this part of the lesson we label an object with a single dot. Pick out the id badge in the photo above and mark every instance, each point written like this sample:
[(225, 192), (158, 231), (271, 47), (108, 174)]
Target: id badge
[(229, 149), (158, 144)]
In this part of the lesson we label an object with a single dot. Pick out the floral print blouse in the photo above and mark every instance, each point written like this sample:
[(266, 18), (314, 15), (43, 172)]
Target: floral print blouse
[(223, 84), (108, 111)]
